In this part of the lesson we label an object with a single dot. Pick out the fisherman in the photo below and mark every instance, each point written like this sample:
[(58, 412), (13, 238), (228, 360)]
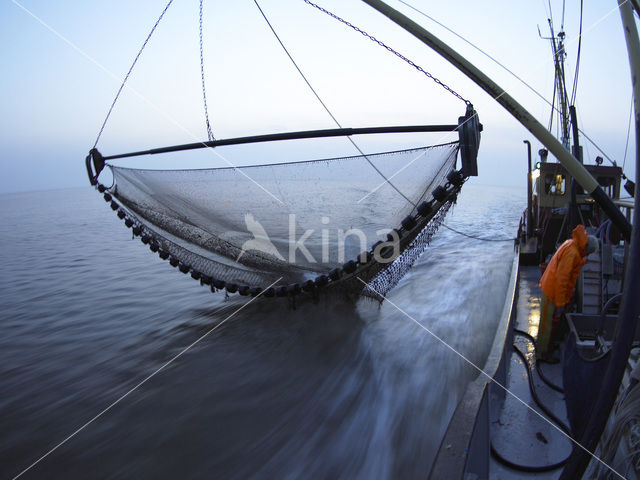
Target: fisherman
[(557, 284)]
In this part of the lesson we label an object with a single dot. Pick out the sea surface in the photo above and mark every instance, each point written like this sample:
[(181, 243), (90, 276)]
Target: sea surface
[(339, 389)]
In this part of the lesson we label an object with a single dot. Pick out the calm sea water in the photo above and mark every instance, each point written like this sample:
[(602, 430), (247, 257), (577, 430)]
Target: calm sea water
[(334, 390)]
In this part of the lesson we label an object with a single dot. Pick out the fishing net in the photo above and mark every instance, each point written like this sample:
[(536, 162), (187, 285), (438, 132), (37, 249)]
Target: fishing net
[(299, 226), (351, 224)]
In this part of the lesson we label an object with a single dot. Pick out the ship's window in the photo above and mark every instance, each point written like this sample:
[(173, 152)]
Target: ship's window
[(607, 184), (554, 184)]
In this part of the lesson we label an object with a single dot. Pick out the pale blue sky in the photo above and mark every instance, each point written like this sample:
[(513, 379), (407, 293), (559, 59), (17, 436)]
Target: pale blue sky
[(55, 97)]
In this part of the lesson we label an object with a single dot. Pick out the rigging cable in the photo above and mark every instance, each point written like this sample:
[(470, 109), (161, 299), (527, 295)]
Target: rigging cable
[(553, 101), (566, 93), (204, 91), (113, 104), (626, 146), (546, 10), (604, 154), (484, 239), (325, 105), (574, 89)]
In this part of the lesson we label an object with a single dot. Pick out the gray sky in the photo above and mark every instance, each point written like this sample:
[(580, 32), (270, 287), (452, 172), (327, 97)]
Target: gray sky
[(56, 92)]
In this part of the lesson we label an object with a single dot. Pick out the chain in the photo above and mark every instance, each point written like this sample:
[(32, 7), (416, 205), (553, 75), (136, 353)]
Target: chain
[(113, 104), (388, 48), (204, 92)]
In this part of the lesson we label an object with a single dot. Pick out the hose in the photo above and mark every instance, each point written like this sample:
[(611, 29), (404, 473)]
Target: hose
[(533, 468), (543, 377), (526, 468), (534, 394)]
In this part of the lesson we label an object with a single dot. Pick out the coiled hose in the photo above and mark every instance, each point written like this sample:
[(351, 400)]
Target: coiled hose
[(565, 428)]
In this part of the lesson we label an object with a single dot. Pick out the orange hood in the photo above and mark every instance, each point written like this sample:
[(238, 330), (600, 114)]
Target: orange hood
[(580, 236)]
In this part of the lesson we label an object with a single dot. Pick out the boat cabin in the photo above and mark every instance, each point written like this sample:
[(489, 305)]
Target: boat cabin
[(556, 208), (553, 184)]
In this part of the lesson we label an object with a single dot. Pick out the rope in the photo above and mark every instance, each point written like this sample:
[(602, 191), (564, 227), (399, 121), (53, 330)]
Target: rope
[(324, 105), (478, 238), (388, 48), (113, 104), (204, 91)]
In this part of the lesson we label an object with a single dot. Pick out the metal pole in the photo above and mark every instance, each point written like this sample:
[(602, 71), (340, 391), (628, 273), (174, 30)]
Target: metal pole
[(573, 207), (333, 132), (630, 308), (576, 139), (529, 192), (575, 168)]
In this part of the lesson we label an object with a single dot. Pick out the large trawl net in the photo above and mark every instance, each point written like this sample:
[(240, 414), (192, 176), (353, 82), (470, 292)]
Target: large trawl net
[(291, 223)]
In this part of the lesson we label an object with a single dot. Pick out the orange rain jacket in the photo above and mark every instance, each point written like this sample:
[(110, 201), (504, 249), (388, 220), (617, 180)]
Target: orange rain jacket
[(560, 276)]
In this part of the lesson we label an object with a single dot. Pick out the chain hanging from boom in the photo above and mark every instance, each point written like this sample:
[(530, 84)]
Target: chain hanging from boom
[(135, 60), (388, 48), (204, 91)]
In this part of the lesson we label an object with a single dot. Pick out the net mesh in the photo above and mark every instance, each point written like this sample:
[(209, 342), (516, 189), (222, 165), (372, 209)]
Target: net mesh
[(290, 221)]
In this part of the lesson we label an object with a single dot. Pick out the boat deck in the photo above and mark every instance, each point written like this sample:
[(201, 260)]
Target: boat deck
[(518, 433)]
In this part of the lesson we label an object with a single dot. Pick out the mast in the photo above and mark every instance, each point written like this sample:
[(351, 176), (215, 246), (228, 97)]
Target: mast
[(573, 166), (559, 55), (568, 118)]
